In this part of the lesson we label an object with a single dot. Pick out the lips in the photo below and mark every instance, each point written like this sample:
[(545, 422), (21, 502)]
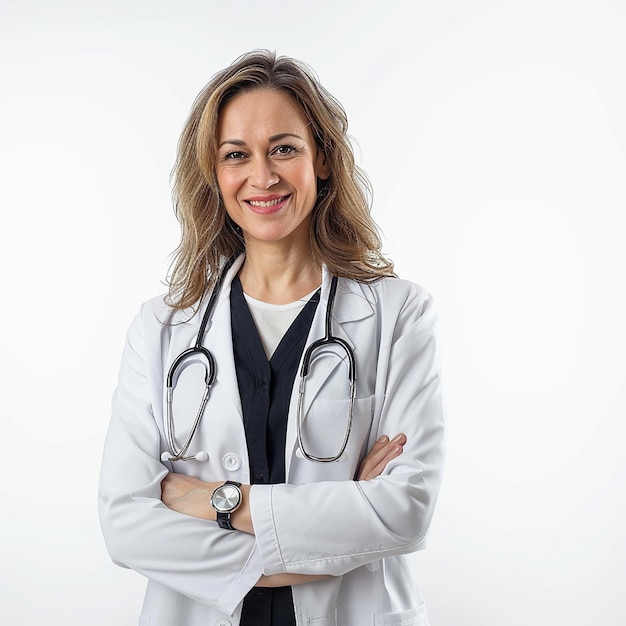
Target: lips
[(267, 205)]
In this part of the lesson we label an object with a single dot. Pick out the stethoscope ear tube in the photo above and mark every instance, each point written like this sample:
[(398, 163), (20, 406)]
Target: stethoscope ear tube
[(304, 371), (209, 377), (180, 455), (208, 313), (210, 369)]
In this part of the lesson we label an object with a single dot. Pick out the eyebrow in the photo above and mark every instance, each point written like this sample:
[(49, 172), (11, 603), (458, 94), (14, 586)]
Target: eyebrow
[(272, 139)]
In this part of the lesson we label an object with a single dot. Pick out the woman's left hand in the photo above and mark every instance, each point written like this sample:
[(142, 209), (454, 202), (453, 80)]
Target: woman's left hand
[(192, 496), (188, 495)]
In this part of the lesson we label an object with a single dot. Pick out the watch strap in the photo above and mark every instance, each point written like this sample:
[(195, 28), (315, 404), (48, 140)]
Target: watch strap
[(223, 521)]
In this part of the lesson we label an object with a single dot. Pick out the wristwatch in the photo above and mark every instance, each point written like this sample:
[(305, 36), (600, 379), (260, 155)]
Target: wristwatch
[(226, 499)]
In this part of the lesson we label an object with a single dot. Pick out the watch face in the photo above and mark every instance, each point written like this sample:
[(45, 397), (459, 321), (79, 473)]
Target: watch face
[(226, 498)]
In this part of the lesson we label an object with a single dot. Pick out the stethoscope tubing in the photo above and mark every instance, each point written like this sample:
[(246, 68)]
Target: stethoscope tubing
[(210, 366), (328, 339), (180, 454)]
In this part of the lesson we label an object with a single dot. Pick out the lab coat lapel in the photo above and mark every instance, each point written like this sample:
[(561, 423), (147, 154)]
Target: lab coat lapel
[(350, 306)]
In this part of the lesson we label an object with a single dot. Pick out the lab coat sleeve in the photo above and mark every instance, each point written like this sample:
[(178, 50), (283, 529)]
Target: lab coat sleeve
[(334, 527), (189, 555)]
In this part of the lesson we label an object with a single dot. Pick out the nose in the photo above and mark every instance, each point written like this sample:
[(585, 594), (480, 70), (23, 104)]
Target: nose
[(262, 174)]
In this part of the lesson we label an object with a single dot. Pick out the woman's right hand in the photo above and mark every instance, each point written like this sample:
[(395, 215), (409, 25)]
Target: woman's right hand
[(383, 451), (372, 466)]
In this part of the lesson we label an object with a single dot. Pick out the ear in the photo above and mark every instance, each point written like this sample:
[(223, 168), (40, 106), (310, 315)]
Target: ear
[(322, 168)]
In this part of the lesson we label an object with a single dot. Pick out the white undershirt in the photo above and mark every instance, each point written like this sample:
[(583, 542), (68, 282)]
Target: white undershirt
[(273, 320)]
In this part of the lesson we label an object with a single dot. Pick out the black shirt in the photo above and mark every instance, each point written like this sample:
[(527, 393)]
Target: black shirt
[(265, 390)]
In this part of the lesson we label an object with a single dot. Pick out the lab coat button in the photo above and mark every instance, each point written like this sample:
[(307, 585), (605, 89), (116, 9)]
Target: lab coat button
[(231, 462), (223, 622)]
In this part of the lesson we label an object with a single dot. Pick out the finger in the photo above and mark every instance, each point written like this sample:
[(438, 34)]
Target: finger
[(382, 448), (378, 469), (376, 461), (379, 449), (400, 438), (379, 444), (374, 456)]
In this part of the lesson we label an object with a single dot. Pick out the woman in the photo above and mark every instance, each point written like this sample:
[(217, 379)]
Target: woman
[(272, 208)]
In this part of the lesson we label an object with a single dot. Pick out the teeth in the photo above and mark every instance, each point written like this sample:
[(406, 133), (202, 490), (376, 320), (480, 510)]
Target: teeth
[(260, 203)]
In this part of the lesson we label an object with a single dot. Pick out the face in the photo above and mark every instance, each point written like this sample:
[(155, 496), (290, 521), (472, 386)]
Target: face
[(267, 168)]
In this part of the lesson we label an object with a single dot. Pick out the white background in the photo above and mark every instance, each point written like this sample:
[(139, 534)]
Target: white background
[(495, 136)]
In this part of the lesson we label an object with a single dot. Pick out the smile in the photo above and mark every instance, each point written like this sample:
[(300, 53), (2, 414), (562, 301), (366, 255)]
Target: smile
[(269, 203), (268, 207)]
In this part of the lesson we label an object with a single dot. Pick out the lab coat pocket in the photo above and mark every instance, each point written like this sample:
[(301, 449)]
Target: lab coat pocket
[(323, 432), (411, 617)]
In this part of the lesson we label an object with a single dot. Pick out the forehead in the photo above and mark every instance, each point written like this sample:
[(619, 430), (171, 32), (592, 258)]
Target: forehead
[(262, 112)]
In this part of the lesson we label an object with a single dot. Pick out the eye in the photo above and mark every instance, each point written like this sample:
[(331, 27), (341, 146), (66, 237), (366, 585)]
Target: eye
[(284, 150), (235, 155)]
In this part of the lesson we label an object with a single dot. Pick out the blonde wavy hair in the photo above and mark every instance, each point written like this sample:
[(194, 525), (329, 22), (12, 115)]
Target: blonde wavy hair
[(343, 235)]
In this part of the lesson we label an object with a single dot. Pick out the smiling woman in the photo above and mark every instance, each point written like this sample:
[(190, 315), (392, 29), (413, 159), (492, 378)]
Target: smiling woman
[(275, 502), (342, 234)]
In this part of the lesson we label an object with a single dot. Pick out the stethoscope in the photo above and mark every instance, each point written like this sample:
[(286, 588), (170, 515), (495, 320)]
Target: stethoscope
[(198, 352)]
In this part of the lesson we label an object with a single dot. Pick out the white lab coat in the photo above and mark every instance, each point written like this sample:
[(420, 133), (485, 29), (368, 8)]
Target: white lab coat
[(320, 522)]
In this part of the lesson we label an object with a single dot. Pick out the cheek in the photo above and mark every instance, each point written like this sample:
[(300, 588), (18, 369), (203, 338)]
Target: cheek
[(305, 180), (228, 184)]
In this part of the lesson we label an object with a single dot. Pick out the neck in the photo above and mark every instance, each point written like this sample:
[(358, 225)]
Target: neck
[(280, 277)]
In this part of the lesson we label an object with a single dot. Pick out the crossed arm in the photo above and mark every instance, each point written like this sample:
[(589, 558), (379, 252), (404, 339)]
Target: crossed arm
[(191, 496)]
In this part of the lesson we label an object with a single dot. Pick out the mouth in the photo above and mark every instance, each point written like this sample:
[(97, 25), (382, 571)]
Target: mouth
[(269, 205)]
